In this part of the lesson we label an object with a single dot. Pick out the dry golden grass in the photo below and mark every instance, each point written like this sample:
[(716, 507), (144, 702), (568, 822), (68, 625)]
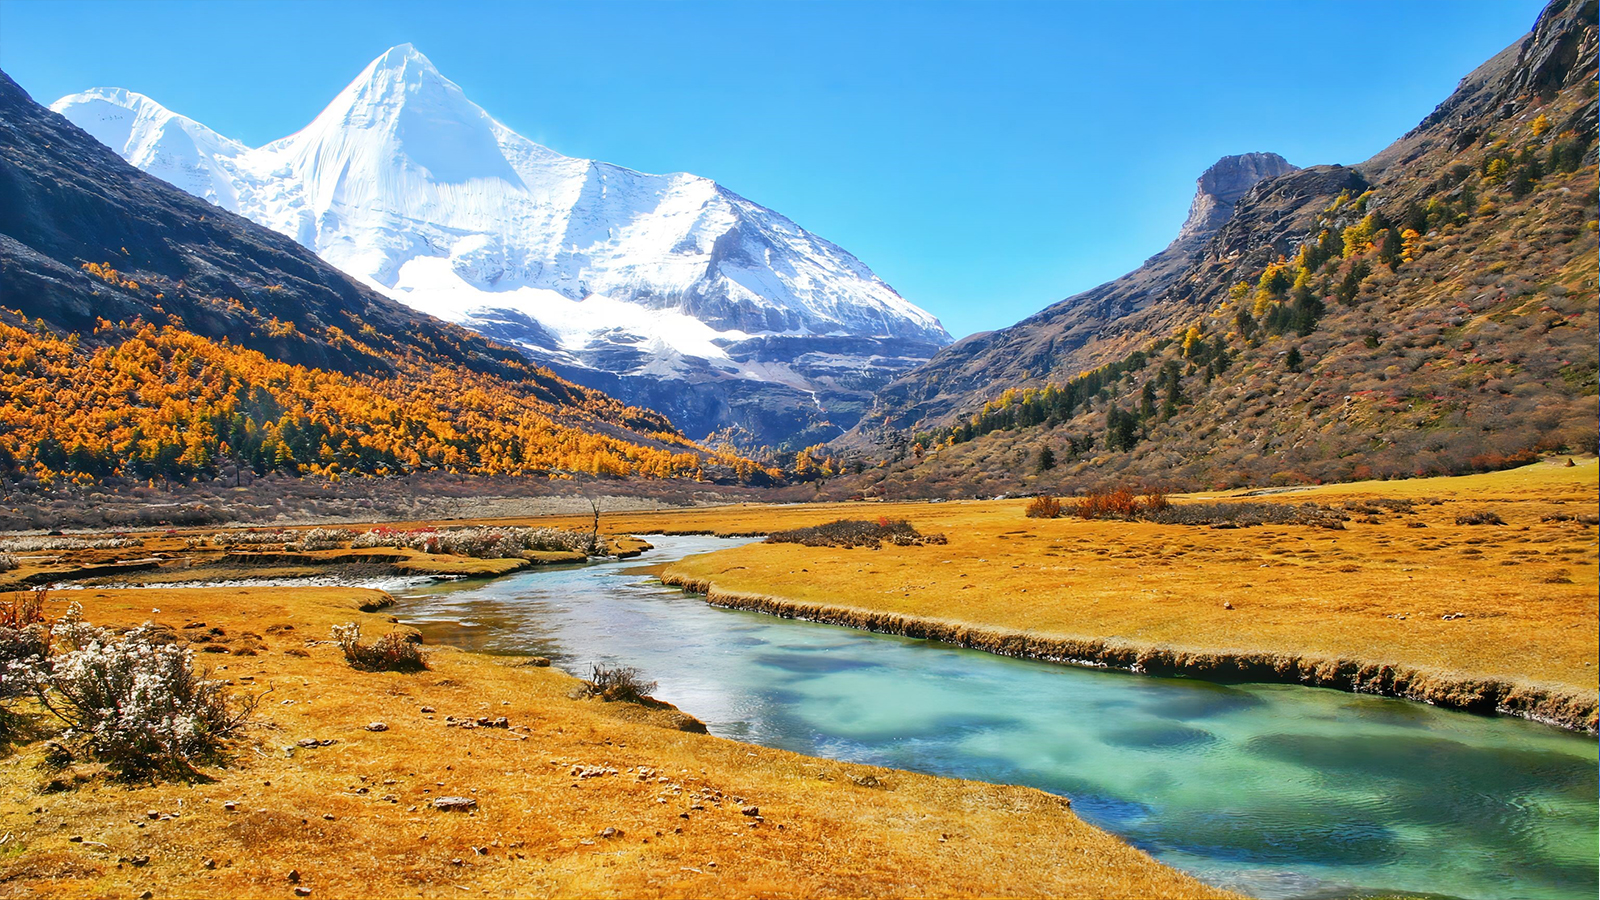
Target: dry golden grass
[(1521, 598), (354, 819)]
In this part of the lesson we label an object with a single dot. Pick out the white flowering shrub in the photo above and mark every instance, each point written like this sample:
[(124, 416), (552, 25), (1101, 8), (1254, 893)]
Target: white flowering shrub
[(325, 538), (60, 542), (484, 542), (139, 705), (390, 653), (7, 562), (248, 538), (24, 644)]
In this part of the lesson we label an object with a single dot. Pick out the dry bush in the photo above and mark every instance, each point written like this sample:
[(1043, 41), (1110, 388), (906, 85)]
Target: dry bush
[(848, 533), (135, 702), (481, 542), (325, 538), (251, 538), (1155, 507), (1043, 507), (23, 609), (1481, 517), (1117, 503), (619, 683), (7, 562), (24, 645), (390, 653), (62, 542), (1244, 515)]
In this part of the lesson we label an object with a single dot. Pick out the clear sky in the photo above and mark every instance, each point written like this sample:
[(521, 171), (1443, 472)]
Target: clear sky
[(985, 159)]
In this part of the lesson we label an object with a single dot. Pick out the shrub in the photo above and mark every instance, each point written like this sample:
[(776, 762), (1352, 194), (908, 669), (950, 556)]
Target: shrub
[(1481, 517), (390, 653), (325, 538), (138, 705), (24, 645), (1155, 507), (7, 562), (482, 542), (1119, 503), (850, 533), (61, 542), (232, 538), (620, 683), (1043, 508)]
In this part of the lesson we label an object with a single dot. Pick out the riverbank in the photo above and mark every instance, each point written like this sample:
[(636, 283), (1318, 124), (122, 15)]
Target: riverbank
[(574, 797), (1405, 600)]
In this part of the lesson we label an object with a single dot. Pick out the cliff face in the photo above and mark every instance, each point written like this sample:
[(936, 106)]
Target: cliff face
[(1221, 186)]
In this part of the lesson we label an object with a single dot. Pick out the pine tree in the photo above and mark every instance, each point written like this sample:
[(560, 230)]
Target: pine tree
[(1047, 459)]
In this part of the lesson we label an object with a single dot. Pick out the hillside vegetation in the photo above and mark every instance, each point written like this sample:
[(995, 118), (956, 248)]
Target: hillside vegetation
[(1431, 311), (148, 335)]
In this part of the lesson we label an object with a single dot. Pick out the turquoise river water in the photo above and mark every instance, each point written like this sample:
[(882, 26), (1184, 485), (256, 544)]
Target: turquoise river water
[(1272, 790)]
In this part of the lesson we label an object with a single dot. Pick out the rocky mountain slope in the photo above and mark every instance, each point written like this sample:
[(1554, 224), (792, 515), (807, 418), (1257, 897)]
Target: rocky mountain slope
[(146, 333), (1072, 334), (1431, 310), (668, 290)]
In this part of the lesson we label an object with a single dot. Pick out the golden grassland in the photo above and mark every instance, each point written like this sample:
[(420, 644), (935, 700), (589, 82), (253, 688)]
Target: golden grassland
[(1419, 605), (354, 818)]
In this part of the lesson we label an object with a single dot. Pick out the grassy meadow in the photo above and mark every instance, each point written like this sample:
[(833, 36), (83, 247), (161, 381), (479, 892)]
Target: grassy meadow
[(577, 797), (1412, 589)]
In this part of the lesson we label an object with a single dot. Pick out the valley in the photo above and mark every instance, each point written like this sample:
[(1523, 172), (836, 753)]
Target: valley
[(392, 504), (1298, 603)]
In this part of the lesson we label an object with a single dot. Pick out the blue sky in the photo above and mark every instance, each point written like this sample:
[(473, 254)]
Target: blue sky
[(986, 159)]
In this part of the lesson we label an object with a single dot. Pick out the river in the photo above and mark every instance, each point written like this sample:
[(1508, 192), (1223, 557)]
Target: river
[(1273, 790)]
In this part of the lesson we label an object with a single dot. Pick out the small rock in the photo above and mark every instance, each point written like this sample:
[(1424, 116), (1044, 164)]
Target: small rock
[(455, 804), (209, 863), (609, 832), (751, 810), (294, 876), (302, 892), (152, 814), (146, 895), (377, 726), (139, 861), (230, 806), (429, 709), (75, 839), (457, 861), (328, 816), (1226, 604)]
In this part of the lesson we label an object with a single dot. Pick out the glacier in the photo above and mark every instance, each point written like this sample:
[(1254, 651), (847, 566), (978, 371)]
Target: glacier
[(669, 291)]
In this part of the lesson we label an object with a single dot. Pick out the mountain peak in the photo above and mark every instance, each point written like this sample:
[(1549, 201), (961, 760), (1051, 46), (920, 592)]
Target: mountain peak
[(403, 59), (1221, 186)]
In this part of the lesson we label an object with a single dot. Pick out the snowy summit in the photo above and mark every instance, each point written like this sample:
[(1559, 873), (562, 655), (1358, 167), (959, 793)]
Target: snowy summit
[(617, 278)]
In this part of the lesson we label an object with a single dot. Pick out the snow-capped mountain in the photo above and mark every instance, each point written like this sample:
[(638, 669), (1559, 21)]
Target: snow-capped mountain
[(668, 290)]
